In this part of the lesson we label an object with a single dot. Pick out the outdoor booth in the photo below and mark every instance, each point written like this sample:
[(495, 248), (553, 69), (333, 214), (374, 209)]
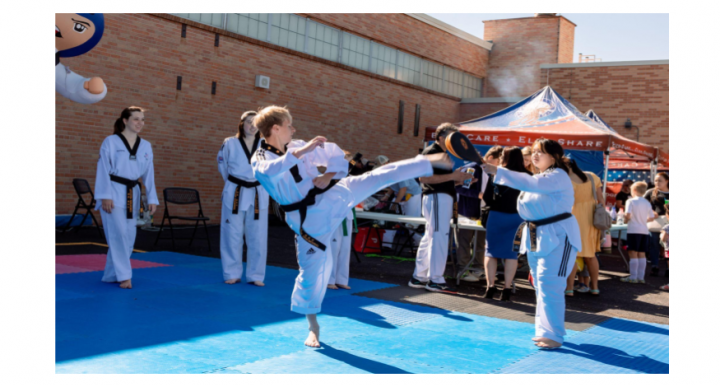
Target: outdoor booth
[(546, 114)]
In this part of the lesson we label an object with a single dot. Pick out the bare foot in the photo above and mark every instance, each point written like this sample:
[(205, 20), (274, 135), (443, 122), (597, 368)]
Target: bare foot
[(232, 281), (258, 283), (127, 284), (546, 343), (332, 287), (346, 287), (441, 161), (313, 340)]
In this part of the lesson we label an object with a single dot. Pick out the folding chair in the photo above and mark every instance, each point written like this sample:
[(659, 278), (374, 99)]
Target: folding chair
[(182, 196), (82, 187)]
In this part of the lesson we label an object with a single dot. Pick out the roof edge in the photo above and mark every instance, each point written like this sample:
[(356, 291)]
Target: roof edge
[(606, 64), (513, 99), (441, 25)]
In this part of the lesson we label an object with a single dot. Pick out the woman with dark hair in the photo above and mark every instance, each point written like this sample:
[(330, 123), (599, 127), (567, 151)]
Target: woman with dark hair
[(584, 210), (657, 197), (124, 160), (550, 234), (244, 206), (502, 223)]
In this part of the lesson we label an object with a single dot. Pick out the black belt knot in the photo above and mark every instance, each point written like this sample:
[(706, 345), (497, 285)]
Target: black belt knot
[(532, 226), (129, 186), (244, 184), (302, 206)]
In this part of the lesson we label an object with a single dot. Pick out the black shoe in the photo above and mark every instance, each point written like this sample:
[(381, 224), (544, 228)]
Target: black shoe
[(655, 271), (490, 292), (439, 288), (505, 296), (414, 283)]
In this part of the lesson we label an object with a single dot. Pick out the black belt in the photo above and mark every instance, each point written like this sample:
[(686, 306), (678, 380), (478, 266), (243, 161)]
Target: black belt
[(455, 206), (244, 184), (533, 225), (302, 206), (129, 186)]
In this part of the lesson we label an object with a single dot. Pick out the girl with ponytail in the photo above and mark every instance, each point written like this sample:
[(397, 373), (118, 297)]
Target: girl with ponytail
[(125, 160)]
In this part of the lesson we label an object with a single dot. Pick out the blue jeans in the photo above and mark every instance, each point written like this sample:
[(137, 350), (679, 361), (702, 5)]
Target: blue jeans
[(653, 249)]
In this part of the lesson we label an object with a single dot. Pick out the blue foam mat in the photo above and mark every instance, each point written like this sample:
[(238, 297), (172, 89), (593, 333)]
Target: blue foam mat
[(184, 319)]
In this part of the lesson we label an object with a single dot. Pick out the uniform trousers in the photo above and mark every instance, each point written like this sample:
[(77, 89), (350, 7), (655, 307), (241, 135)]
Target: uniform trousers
[(549, 274), (432, 253), (232, 229)]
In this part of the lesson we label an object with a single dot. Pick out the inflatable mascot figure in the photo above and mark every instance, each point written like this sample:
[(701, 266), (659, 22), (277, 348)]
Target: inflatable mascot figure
[(76, 34)]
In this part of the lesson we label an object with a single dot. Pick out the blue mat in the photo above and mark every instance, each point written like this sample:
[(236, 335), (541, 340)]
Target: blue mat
[(184, 319), (616, 346)]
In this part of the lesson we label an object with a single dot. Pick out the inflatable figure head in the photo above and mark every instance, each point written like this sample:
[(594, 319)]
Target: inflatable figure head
[(77, 33)]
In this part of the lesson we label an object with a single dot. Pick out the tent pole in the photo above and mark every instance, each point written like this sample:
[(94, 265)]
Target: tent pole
[(605, 177)]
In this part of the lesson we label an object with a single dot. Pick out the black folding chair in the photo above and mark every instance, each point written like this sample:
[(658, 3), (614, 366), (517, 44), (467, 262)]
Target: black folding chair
[(183, 196), (82, 187)]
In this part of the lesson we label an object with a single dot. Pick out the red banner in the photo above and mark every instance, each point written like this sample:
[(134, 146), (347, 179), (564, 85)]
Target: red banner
[(513, 138)]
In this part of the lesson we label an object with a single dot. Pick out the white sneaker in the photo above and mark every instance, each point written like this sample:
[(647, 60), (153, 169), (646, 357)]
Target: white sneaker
[(470, 277)]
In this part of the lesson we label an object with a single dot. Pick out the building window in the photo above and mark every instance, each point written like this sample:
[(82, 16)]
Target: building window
[(288, 31), (432, 76), (453, 82), (409, 68), (473, 87), (383, 60), (213, 19), (323, 41), (253, 25), (355, 51)]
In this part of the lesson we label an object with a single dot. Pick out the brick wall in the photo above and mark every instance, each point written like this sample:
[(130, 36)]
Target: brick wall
[(470, 111), (641, 93), (140, 57), (411, 35), (519, 47)]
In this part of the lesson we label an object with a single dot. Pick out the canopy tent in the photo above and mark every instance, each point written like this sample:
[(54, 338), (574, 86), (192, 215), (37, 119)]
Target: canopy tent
[(546, 114), (624, 166)]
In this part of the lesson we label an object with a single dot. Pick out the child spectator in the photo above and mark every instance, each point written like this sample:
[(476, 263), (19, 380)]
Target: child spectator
[(638, 212)]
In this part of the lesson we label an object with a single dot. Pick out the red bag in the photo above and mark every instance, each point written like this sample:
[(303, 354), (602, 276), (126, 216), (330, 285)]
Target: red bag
[(370, 238)]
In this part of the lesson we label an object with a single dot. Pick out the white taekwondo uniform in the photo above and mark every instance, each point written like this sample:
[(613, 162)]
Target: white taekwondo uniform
[(118, 164), (544, 196), (289, 181), (244, 212), (341, 247)]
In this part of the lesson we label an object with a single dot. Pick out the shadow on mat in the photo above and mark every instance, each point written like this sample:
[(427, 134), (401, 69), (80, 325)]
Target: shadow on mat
[(633, 327), (361, 363), (615, 357)]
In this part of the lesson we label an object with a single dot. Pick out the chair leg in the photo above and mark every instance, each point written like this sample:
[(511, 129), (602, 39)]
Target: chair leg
[(172, 233), (67, 225), (83, 219), (97, 225), (207, 235), (192, 237), (162, 224)]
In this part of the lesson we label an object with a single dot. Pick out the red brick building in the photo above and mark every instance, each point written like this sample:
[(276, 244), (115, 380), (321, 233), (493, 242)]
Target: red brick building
[(341, 75)]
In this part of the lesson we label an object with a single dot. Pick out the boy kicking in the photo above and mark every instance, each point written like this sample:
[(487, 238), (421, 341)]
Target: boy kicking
[(315, 204)]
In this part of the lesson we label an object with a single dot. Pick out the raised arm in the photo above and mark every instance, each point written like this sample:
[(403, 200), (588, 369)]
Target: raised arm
[(331, 157), (272, 168), (541, 184)]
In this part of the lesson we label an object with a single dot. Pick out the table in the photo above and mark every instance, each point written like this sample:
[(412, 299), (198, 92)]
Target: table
[(463, 223), (419, 221)]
